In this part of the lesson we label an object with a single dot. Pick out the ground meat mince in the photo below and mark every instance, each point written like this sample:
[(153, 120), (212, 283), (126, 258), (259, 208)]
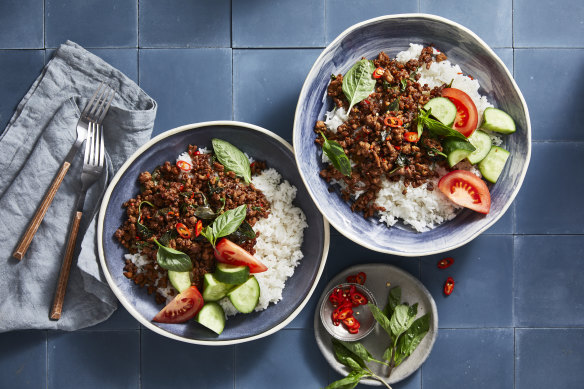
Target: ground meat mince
[(179, 196), (379, 150)]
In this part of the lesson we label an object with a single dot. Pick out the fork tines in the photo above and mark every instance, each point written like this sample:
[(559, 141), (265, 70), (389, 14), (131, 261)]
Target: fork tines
[(99, 104)]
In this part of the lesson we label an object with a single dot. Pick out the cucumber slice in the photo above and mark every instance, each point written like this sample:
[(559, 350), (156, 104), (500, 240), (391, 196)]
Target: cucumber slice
[(180, 280), (231, 274), (442, 109), (212, 316), (213, 290), (482, 142), (493, 164), (245, 297), (457, 150), (499, 121)]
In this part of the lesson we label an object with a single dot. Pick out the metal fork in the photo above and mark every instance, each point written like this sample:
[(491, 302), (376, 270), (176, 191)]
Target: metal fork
[(93, 165), (94, 112)]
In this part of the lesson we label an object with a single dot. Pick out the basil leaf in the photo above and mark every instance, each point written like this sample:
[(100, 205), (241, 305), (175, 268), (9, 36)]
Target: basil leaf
[(412, 338), (244, 233), (437, 128), (143, 230), (394, 106), (393, 300), (388, 354), (350, 381), (204, 212), (383, 321), (336, 154), (229, 221), (359, 350), (404, 84), (398, 323), (167, 236), (358, 83), (207, 232), (232, 158), (171, 259), (346, 356)]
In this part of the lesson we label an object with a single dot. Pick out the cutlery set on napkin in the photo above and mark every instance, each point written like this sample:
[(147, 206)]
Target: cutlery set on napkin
[(49, 139)]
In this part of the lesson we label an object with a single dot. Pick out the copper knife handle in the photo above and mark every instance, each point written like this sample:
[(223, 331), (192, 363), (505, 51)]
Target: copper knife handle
[(57, 306), (40, 213)]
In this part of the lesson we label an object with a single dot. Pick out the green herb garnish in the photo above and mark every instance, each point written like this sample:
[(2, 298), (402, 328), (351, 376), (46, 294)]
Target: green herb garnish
[(171, 259), (358, 83), (404, 84), (225, 224), (405, 331), (337, 156), (232, 158), (435, 127)]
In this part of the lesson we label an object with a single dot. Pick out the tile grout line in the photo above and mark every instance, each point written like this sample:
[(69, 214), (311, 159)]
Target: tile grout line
[(234, 366), (514, 357)]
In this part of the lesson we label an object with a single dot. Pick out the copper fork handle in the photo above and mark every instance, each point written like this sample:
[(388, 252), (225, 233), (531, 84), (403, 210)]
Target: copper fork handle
[(40, 213), (57, 307)]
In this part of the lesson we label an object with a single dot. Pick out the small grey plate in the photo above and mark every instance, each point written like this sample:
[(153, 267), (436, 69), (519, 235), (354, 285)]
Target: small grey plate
[(413, 291)]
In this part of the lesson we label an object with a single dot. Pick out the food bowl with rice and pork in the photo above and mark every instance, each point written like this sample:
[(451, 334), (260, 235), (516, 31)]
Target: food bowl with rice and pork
[(218, 243), (411, 135)]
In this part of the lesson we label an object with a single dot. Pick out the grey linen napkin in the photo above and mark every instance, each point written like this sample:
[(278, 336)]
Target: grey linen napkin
[(32, 148)]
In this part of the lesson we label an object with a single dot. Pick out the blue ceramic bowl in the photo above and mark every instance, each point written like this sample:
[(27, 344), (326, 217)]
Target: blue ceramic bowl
[(259, 144), (392, 34)]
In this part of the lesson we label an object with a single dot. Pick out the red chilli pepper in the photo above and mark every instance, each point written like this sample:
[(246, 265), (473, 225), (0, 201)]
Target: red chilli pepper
[(183, 230), (392, 121), (445, 262), (448, 286), (360, 278), (352, 279), (396, 147), (378, 73), (184, 165), (358, 299), (344, 312), (181, 187), (411, 136), (198, 227)]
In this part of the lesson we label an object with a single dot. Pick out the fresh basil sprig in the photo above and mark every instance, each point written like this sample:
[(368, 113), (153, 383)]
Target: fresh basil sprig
[(354, 356), (337, 156), (141, 228), (405, 331), (232, 158), (225, 224), (437, 128), (171, 259), (358, 83)]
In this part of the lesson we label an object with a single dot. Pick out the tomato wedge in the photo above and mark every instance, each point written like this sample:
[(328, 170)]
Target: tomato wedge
[(465, 189), (184, 307), (467, 116), (228, 252)]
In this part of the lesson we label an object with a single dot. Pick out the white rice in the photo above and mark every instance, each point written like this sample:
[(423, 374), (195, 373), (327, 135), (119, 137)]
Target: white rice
[(418, 207), (278, 246)]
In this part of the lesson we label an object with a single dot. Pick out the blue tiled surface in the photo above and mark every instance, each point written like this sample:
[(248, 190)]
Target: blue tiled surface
[(278, 23), (207, 367), (267, 85), (562, 91), (548, 24), (103, 23), (477, 359), (88, 359), (23, 359), (185, 23), (483, 274), (190, 85), (515, 319), (549, 281), (541, 206), (14, 34), (490, 20), (549, 358)]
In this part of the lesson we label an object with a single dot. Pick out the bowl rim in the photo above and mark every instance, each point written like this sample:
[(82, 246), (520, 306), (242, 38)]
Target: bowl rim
[(313, 72), (118, 293)]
